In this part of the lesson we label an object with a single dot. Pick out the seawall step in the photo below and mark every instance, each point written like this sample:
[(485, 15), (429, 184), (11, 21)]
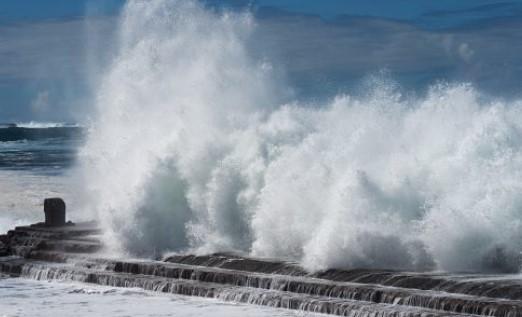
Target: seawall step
[(273, 298), (71, 253), (306, 286), (495, 286)]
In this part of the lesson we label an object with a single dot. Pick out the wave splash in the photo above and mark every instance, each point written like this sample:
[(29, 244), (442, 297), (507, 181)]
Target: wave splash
[(41, 125), (190, 151)]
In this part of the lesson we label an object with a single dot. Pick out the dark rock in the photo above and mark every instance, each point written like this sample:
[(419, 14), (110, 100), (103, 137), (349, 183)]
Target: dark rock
[(3, 249), (236, 262), (54, 209)]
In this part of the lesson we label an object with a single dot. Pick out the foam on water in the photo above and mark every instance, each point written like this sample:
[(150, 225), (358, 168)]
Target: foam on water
[(44, 125), (20, 297), (192, 149)]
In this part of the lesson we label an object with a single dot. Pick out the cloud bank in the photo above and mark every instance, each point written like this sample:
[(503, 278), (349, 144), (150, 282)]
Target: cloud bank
[(319, 57)]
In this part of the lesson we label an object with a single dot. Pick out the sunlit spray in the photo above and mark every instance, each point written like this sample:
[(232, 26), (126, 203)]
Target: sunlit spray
[(192, 150)]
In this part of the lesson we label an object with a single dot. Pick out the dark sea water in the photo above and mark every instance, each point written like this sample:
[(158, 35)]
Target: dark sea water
[(38, 147)]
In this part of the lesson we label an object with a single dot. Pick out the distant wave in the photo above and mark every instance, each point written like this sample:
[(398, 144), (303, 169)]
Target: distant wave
[(37, 131), (38, 125)]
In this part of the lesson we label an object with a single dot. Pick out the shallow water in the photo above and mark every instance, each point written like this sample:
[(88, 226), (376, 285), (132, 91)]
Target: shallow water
[(22, 193), (21, 297)]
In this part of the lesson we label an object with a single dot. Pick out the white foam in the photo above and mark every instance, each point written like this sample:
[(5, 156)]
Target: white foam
[(20, 297), (45, 125), (191, 150)]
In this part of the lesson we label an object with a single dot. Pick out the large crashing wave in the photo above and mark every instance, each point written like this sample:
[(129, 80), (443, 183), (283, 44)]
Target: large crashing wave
[(190, 150)]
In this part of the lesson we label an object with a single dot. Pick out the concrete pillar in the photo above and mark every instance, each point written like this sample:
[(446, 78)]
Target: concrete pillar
[(54, 209)]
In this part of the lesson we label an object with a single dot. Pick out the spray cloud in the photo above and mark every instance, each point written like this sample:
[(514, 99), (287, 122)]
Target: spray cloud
[(192, 149)]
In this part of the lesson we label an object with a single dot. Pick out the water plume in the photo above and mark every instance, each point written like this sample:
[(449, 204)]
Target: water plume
[(193, 149)]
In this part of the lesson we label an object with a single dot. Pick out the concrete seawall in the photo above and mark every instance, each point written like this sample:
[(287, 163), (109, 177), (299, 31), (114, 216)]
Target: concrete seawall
[(72, 253)]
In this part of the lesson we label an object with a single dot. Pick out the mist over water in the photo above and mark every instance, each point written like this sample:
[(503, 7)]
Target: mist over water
[(196, 148)]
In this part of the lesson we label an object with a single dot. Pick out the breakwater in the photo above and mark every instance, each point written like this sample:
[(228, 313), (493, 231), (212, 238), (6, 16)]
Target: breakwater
[(72, 253)]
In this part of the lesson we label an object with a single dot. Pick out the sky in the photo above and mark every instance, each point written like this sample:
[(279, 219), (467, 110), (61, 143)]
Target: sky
[(50, 49)]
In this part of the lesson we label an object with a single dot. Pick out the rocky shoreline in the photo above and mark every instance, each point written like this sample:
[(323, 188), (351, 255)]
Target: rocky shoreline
[(71, 253)]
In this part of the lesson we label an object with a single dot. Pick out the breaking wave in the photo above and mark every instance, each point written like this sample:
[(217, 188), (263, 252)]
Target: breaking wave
[(193, 149), (41, 125)]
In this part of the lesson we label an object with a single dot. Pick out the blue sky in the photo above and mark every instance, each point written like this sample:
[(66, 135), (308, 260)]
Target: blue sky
[(46, 47)]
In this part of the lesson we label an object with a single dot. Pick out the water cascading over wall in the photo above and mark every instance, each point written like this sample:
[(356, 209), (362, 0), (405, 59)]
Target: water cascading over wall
[(194, 147)]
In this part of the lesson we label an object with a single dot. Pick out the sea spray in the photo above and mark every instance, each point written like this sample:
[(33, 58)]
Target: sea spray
[(180, 86), (193, 149)]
